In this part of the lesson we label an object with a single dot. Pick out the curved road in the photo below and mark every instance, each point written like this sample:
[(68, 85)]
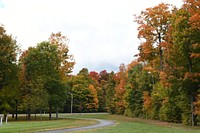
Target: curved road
[(102, 123)]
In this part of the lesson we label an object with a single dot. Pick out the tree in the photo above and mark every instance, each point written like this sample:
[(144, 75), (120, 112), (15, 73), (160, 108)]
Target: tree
[(103, 81), (57, 95), (147, 106), (8, 71), (67, 60), (167, 33), (40, 70), (85, 92), (153, 26), (94, 75), (93, 102), (110, 93), (187, 67), (120, 91), (134, 94), (8, 57), (38, 99), (99, 86), (197, 105), (193, 7)]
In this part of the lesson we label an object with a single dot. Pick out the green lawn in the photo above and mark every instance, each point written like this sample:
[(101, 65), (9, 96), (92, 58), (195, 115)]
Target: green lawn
[(33, 126), (135, 125), (131, 127), (123, 125)]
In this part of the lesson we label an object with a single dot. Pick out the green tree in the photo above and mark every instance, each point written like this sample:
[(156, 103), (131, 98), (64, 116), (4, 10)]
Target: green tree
[(110, 93), (84, 91), (8, 71), (103, 81), (138, 82), (40, 70), (184, 36)]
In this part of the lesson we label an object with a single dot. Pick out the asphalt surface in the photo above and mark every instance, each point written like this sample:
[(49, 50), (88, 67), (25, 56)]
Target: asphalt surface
[(102, 123)]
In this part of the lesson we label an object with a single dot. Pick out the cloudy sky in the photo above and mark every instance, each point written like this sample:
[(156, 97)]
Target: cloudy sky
[(102, 32)]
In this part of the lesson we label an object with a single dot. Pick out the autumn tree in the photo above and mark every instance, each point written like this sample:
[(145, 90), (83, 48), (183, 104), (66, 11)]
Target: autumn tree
[(185, 37), (197, 105), (94, 75), (67, 60), (84, 89), (120, 91), (138, 81), (147, 105), (93, 102), (152, 31), (153, 25), (97, 82), (192, 7), (167, 33), (103, 81)]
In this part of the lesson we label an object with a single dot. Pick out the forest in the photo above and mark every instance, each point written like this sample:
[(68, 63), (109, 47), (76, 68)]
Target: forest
[(161, 83)]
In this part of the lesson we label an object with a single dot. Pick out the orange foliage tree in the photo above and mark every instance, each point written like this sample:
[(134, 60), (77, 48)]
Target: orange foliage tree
[(147, 105), (93, 98), (120, 91), (153, 26), (67, 60)]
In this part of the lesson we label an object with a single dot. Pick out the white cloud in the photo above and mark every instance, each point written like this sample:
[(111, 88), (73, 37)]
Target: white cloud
[(102, 32)]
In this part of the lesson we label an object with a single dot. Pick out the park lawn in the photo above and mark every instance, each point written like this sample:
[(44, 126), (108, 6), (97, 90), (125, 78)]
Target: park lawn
[(123, 125), (35, 126), (136, 125), (131, 127)]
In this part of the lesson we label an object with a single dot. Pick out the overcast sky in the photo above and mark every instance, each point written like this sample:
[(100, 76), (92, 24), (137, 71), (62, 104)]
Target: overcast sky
[(102, 32)]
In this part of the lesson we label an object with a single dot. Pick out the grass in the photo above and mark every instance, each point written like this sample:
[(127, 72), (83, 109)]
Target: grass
[(136, 125), (23, 126), (131, 127), (123, 125)]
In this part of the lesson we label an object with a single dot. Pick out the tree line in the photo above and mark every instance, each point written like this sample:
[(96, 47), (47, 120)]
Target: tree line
[(162, 83), (37, 80)]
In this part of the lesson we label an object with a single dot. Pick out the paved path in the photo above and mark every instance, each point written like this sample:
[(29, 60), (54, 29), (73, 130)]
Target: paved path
[(102, 123)]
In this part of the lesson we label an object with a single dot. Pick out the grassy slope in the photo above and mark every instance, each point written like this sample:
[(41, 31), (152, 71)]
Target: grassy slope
[(131, 127), (134, 125)]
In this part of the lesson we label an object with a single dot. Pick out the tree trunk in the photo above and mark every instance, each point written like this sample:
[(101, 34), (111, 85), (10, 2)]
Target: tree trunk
[(50, 112), (16, 110), (29, 114), (160, 51), (192, 109), (56, 113), (13, 114), (5, 117), (35, 114), (193, 118)]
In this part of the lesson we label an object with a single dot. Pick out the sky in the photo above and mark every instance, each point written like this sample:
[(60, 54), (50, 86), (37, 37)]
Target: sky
[(102, 33)]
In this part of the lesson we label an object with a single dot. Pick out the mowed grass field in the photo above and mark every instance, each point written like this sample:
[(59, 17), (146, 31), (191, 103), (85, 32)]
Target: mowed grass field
[(23, 126), (135, 125), (123, 125)]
